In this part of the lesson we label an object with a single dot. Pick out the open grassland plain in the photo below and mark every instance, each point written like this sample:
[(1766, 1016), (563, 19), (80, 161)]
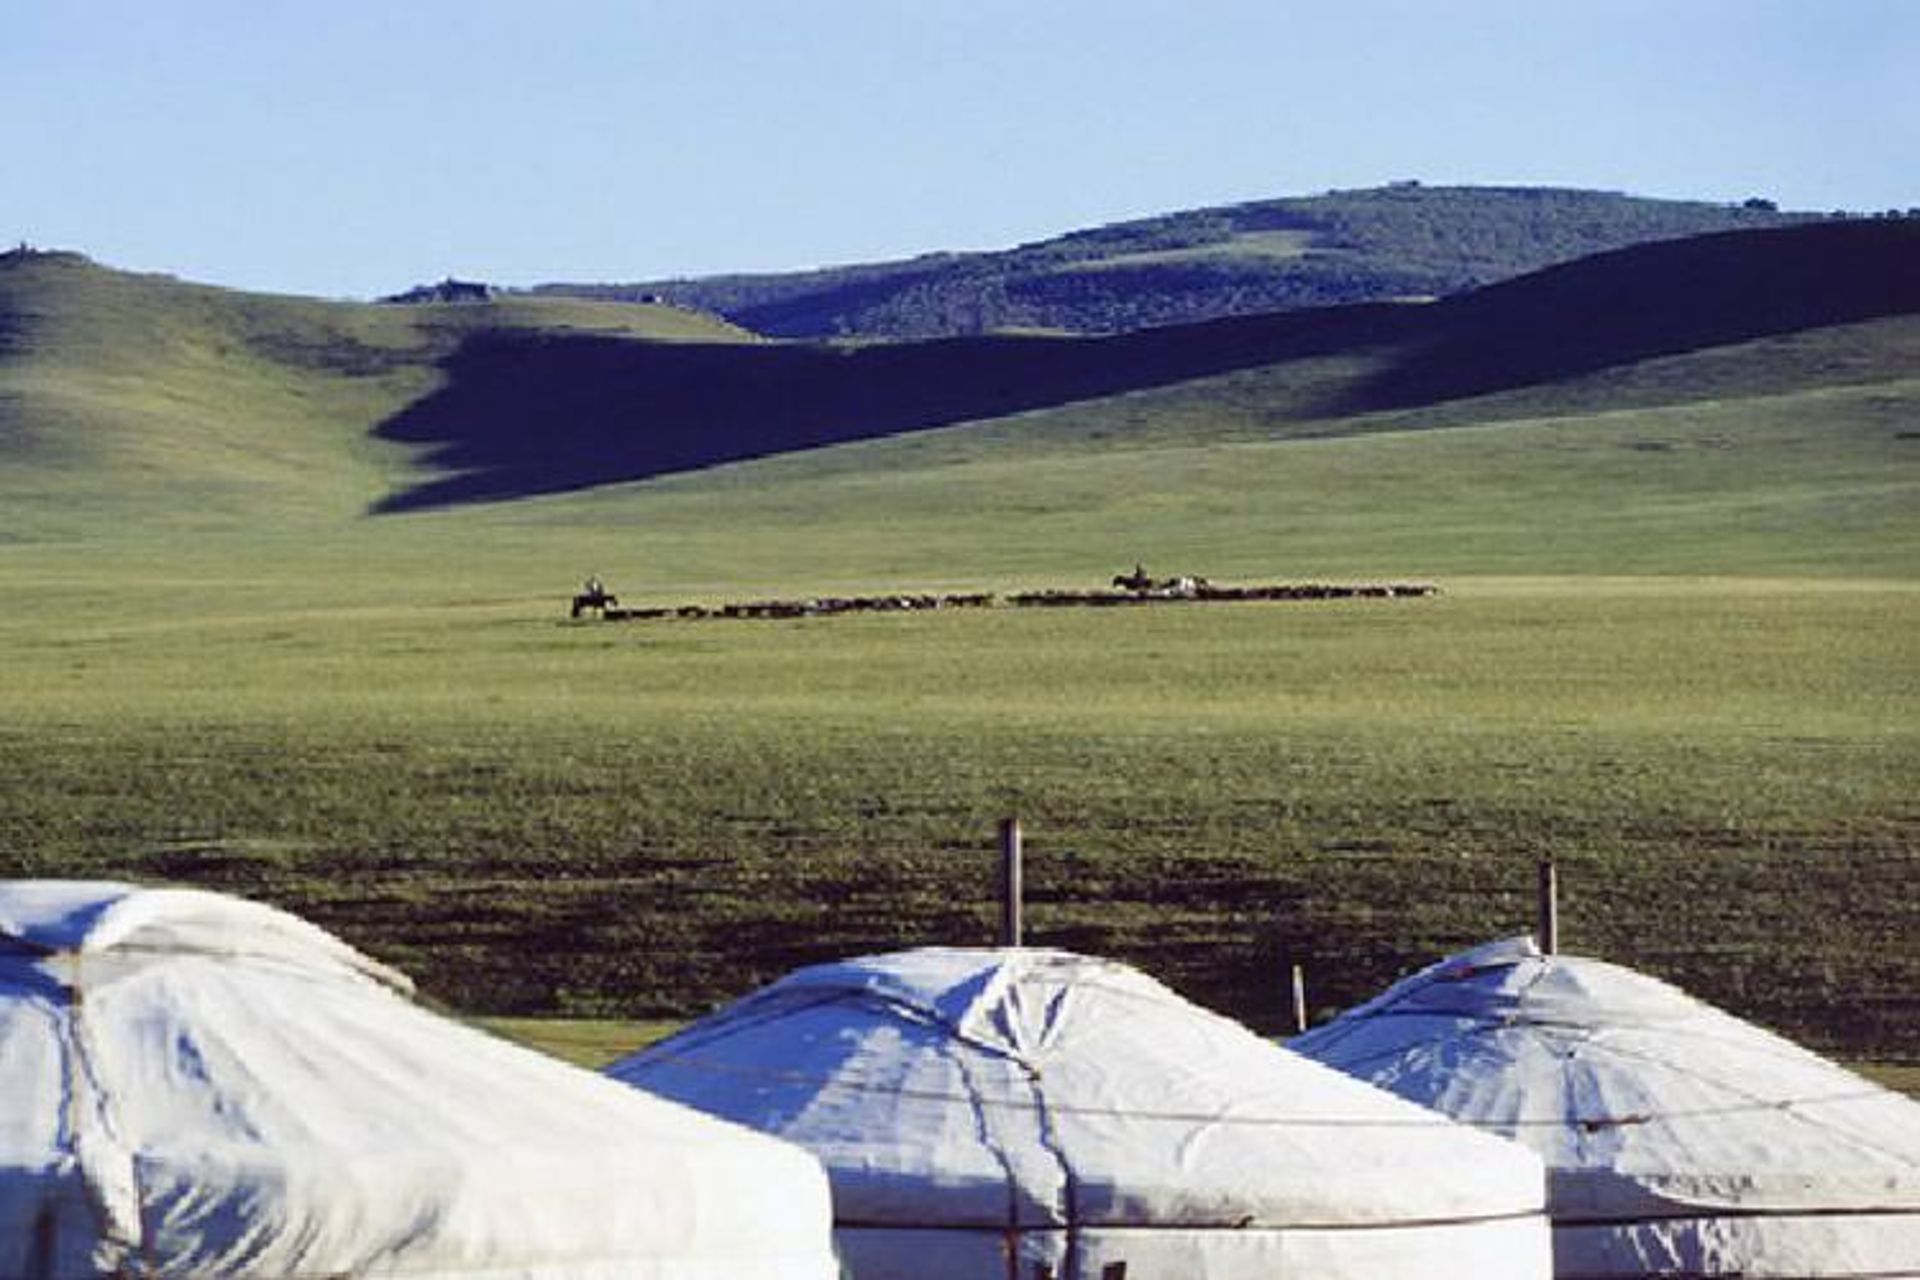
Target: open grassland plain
[(646, 819), (1677, 648)]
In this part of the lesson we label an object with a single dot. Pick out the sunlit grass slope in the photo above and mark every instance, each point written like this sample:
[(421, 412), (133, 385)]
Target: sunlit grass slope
[(136, 401), (1820, 482)]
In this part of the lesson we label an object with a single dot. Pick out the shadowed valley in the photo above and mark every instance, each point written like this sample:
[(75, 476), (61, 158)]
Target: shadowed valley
[(523, 414)]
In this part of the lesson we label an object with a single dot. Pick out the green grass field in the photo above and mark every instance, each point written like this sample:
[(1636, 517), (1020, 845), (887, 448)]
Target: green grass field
[(646, 818), (585, 1042), (1675, 651)]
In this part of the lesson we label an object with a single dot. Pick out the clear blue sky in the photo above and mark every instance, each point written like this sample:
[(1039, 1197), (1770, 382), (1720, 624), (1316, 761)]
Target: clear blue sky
[(354, 147)]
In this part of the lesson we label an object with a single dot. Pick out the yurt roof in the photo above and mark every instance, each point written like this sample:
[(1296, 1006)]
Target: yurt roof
[(191, 1084), (1026, 1088), (90, 917), (1641, 1098)]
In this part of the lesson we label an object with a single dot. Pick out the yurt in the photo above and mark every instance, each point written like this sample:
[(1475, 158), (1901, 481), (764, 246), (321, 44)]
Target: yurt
[(1679, 1140), (201, 1087), (1012, 1114)]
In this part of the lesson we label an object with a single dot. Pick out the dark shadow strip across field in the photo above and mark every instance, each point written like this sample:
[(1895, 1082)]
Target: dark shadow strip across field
[(1652, 300), (529, 414), (525, 414)]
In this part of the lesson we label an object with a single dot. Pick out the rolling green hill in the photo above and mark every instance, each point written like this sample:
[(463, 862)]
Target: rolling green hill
[(619, 411), (144, 399), (141, 400), (1343, 247)]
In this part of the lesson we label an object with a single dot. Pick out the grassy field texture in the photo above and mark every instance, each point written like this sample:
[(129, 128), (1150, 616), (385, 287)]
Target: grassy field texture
[(585, 1042), (645, 819), (1676, 650)]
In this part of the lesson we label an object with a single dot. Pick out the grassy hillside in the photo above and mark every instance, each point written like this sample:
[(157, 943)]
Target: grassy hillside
[(1338, 248), (137, 399), (1675, 650), (149, 401), (616, 411)]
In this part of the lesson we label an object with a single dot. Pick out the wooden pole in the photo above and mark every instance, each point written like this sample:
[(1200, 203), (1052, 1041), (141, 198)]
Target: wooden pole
[(1010, 886), (1299, 999), (1547, 909)]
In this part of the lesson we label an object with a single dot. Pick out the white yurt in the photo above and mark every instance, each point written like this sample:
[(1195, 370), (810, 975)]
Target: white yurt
[(1008, 1114), (1679, 1140), (196, 1086)]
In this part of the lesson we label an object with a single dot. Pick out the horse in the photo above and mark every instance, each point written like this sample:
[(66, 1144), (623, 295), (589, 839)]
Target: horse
[(593, 596)]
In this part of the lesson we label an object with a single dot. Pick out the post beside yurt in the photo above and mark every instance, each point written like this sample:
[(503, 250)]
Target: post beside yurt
[(1001, 1114), (1679, 1140), (197, 1086)]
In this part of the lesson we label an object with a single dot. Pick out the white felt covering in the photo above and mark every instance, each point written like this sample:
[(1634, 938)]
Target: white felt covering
[(196, 1086), (968, 1102), (1678, 1138)]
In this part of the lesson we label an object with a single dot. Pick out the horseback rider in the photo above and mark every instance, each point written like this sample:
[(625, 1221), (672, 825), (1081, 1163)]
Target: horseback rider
[(593, 595)]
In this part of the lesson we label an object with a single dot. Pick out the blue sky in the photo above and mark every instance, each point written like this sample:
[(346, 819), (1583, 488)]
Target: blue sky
[(355, 147)]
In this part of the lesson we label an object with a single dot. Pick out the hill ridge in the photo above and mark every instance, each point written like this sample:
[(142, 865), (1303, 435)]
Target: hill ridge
[(623, 412), (1339, 247), (157, 400)]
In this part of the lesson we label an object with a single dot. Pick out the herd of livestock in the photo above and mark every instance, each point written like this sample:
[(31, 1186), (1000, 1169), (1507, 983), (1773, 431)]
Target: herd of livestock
[(596, 601)]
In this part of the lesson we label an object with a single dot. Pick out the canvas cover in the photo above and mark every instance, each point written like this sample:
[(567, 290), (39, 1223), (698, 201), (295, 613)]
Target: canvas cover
[(982, 1111), (197, 1086), (1679, 1140)]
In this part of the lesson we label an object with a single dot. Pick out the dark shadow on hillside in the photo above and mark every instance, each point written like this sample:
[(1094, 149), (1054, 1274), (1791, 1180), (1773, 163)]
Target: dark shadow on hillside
[(532, 414), (1653, 300), (526, 414)]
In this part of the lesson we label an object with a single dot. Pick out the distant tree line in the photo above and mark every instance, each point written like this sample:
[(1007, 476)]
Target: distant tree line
[(447, 290)]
